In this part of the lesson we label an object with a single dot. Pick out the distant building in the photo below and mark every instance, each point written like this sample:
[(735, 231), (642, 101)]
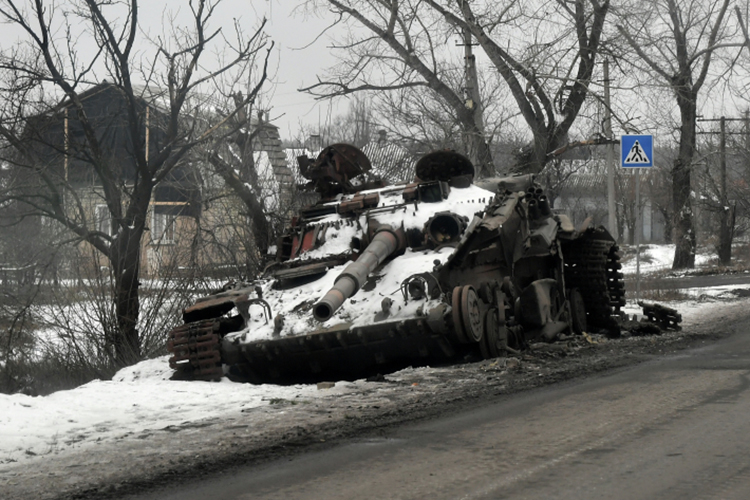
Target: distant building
[(183, 208), (390, 160), (579, 188)]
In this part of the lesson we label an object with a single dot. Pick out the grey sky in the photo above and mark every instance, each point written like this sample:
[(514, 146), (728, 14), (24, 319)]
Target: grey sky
[(296, 58), (297, 66)]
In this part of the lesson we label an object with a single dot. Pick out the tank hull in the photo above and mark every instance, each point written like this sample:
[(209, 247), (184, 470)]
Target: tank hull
[(374, 280)]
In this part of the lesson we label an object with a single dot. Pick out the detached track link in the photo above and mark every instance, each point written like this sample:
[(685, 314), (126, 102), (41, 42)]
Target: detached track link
[(195, 350), (593, 266)]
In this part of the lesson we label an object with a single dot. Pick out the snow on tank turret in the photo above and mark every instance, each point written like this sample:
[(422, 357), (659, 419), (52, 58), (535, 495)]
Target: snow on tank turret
[(375, 277)]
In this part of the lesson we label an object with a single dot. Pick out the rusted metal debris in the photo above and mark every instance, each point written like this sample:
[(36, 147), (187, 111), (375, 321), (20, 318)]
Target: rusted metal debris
[(664, 317)]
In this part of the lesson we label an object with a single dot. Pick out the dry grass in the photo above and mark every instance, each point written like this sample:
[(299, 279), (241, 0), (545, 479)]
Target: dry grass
[(665, 295)]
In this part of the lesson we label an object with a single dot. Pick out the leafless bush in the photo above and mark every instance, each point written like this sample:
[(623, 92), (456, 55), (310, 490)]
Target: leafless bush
[(16, 342), (58, 335)]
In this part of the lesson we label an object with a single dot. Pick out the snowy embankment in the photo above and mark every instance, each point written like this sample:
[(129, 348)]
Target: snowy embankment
[(138, 399), (659, 258), (141, 398)]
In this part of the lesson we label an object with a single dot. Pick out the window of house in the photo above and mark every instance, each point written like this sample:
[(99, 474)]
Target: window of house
[(103, 219), (162, 228)]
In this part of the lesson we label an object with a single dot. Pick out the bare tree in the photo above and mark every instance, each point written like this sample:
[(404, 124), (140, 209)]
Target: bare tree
[(48, 62), (722, 179), (422, 123), (548, 72), (355, 126), (677, 40), (234, 159), (401, 48)]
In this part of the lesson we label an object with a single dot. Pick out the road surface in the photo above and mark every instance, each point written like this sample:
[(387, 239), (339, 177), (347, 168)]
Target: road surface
[(671, 428)]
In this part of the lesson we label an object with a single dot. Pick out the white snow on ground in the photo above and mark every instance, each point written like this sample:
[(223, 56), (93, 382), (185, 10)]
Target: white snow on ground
[(142, 398), (704, 302), (657, 258), (137, 399)]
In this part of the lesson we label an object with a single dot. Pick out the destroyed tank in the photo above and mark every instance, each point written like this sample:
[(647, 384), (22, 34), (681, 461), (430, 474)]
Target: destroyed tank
[(373, 278)]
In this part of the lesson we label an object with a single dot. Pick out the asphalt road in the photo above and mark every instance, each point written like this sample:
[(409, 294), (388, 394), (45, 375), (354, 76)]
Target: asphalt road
[(671, 428)]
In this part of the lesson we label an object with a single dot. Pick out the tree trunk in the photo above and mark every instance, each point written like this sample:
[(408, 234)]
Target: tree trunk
[(726, 223), (667, 216), (684, 234), (479, 152), (630, 222), (684, 227), (126, 262), (533, 157)]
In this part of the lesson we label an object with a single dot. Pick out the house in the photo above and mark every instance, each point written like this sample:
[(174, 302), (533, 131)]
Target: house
[(578, 187), (183, 209)]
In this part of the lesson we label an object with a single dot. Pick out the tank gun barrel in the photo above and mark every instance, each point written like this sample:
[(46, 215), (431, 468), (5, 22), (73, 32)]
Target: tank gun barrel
[(385, 243)]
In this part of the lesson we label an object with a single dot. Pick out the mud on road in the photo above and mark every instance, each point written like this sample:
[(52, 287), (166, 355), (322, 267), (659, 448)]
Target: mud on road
[(176, 454)]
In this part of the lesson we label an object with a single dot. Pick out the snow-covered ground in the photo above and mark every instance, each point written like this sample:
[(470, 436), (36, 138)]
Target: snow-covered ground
[(137, 399), (142, 398), (656, 258)]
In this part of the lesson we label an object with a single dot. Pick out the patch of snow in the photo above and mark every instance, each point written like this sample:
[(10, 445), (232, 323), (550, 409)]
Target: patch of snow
[(138, 399), (656, 258), (702, 303)]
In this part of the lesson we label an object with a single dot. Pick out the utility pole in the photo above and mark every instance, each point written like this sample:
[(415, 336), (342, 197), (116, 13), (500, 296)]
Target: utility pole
[(726, 211), (725, 237), (473, 101), (612, 221)]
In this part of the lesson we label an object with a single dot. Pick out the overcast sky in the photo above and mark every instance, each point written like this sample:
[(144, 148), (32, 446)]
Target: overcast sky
[(299, 53)]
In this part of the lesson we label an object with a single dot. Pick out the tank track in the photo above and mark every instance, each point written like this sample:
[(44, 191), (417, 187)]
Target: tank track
[(593, 266), (195, 349)]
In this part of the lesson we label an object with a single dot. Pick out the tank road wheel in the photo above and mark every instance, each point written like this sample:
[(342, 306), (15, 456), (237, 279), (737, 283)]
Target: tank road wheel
[(577, 311), (493, 337), (471, 314), (458, 325)]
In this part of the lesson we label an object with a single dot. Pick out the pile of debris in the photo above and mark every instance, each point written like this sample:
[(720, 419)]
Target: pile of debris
[(656, 319)]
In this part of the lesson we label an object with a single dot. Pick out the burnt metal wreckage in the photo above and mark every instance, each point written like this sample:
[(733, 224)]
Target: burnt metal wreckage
[(374, 278)]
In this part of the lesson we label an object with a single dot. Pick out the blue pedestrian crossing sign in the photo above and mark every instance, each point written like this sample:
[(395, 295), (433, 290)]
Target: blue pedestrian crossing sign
[(637, 151)]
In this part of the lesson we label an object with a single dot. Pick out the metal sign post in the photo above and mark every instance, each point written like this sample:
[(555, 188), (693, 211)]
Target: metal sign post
[(638, 231), (637, 151)]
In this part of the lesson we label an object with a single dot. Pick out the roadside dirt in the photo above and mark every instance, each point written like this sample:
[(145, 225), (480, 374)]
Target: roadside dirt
[(156, 459)]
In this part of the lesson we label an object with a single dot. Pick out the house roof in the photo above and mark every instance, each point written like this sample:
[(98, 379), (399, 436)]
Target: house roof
[(147, 94), (389, 160), (579, 175)]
